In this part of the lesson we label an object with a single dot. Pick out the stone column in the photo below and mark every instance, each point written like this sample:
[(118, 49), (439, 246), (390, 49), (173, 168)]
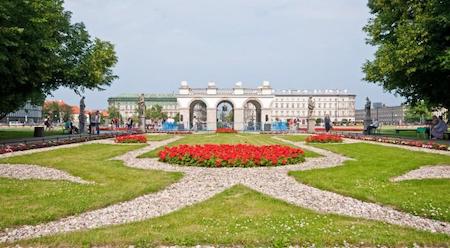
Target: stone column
[(185, 113), (266, 125), (239, 119), (211, 118)]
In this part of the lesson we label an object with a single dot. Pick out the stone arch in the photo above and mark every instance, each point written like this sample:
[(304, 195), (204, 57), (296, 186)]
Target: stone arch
[(252, 115), (198, 115), (225, 114)]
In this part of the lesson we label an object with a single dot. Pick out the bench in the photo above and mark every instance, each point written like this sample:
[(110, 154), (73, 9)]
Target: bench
[(397, 131)]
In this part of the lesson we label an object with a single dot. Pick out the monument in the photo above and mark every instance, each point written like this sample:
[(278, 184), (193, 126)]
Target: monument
[(311, 122), (141, 111), (82, 116), (368, 117)]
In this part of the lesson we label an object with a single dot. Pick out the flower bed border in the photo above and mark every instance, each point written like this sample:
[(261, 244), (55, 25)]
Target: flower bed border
[(225, 130), (131, 138), (399, 141), (324, 138), (22, 146)]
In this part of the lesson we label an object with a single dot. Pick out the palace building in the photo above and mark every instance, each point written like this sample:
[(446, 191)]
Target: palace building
[(242, 108)]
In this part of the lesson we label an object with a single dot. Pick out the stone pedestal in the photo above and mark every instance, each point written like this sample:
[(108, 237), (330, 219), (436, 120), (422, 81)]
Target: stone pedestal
[(142, 123), (82, 121), (367, 123), (311, 124)]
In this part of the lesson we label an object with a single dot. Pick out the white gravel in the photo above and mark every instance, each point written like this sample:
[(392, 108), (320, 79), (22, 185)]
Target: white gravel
[(425, 172), (28, 171), (199, 184)]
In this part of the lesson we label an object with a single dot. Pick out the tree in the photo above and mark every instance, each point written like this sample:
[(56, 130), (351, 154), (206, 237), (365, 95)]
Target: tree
[(114, 113), (155, 113), (418, 113), (177, 117), (57, 111), (41, 50), (413, 49)]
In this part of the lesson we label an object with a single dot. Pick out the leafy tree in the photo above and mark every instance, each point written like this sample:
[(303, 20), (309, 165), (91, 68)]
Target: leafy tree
[(57, 111), (41, 50), (177, 117), (413, 49), (418, 113), (155, 113), (113, 113)]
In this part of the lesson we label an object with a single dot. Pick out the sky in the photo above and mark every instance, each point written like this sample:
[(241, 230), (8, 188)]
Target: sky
[(293, 44)]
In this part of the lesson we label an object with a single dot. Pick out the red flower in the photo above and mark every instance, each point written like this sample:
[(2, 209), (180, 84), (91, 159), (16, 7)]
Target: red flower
[(212, 155), (133, 138), (324, 138)]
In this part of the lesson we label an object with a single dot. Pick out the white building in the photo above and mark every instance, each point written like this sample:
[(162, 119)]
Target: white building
[(243, 108)]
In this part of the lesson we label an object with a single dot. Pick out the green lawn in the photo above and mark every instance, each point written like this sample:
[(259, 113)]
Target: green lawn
[(36, 201), (294, 138), (26, 132), (224, 138), (159, 137), (250, 219), (367, 178)]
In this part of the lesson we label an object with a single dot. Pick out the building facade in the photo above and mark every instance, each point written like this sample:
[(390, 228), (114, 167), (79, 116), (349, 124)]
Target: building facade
[(390, 115), (242, 108), (28, 114)]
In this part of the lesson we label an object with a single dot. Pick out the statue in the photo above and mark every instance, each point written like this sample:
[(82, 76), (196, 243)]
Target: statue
[(141, 111), (367, 109), (82, 117), (141, 105), (311, 122), (311, 106), (367, 118)]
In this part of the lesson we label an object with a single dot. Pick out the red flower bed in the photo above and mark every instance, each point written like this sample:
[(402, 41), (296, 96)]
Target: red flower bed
[(240, 155), (225, 130), (324, 138), (133, 138)]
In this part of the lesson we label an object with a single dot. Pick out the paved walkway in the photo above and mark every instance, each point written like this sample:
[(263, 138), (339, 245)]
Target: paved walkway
[(199, 184)]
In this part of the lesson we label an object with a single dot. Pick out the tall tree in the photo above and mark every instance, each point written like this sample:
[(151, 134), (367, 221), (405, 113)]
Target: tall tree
[(41, 50), (57, 111), (418, 113), (155, 113), (413, 49), (114, 113)]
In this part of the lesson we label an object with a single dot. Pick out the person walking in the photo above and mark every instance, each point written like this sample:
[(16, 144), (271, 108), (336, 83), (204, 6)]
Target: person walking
[(97, 122), (327, 123)]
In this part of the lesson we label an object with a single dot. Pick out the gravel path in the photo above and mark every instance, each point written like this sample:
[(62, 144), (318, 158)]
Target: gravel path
[(425, 172), (27, 171), (199, 184)]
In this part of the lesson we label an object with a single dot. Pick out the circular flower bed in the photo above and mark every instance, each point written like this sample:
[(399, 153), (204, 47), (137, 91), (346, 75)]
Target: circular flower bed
[(133, 138), (240, 155), (324, 138)]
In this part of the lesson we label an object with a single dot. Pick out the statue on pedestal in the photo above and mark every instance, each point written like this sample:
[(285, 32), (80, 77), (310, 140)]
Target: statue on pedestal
[(82, 116), (311, 122), (141, 112), (368, 117)]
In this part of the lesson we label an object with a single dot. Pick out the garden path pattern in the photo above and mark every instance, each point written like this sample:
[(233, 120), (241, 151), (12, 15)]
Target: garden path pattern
[(199, 184)]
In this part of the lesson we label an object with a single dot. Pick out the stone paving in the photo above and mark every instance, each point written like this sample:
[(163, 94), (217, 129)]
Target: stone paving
[(199, 184), (28, 171)]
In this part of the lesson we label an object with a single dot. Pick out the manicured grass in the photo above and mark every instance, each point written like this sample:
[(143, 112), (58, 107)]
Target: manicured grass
[(295, 138), (367, 178), (159, 137), (224, 138), (26, 132), (36, 201), (242, 217)]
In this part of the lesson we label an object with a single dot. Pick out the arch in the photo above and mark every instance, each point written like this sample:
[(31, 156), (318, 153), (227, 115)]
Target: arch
[(225, 114), (252, 115), (197, 115)]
